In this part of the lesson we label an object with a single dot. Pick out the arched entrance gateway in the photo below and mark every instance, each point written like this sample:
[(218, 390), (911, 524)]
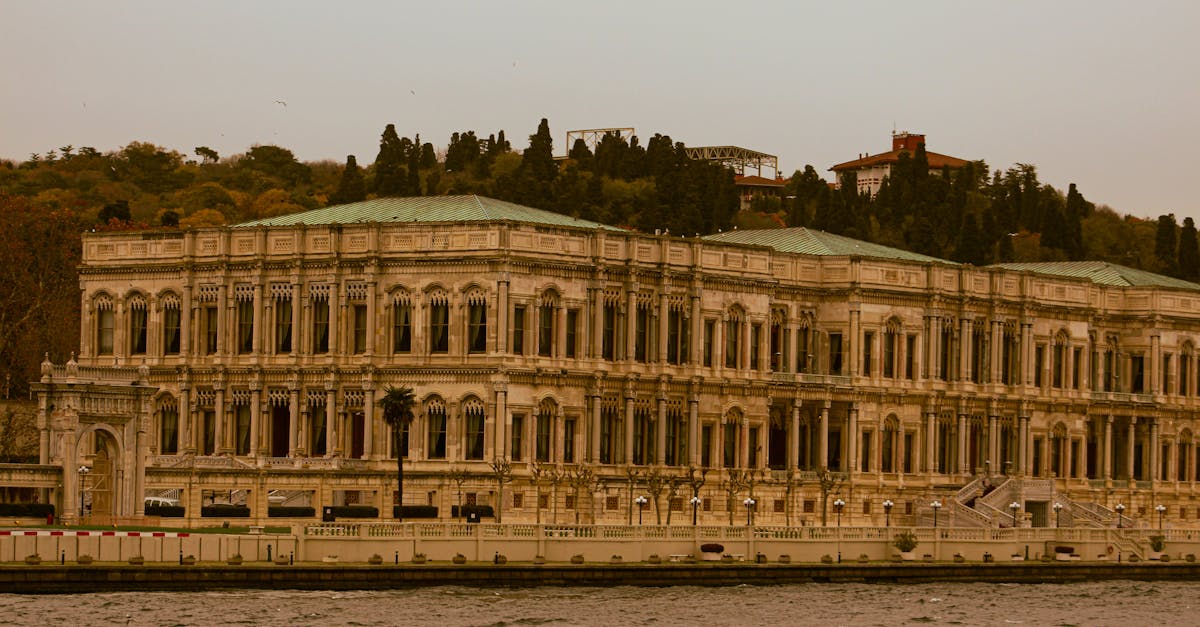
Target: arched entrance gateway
[(95, 428)]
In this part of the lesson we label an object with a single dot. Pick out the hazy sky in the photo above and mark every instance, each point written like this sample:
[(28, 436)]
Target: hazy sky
[(1103, 94)]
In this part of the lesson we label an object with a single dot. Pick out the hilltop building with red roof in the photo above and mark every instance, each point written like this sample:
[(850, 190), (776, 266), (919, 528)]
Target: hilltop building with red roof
[(753, 187), (872, 169)]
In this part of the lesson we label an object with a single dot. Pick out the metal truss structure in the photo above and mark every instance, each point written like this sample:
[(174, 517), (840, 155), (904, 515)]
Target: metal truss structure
[(592, 136), (740, 159)]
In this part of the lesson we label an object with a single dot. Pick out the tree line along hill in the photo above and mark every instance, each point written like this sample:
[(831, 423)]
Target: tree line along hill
[(971, 215)]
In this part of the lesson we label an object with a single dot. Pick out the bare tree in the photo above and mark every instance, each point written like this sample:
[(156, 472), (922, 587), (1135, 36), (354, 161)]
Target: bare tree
[(673, 485), (736, 480), (656, 483), (631, 476), (581, 477), (502, 472), (556, 476), (458, 476), (696, 479), (829, 481), (537, 472)]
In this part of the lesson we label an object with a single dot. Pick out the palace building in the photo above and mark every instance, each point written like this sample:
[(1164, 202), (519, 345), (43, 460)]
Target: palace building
[(242, 366)]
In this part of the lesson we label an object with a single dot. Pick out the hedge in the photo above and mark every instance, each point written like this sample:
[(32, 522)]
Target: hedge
[(483, 511), (416, 511), (280, 511), (224, 510), (26, 510), (355, 511), (165, 511)]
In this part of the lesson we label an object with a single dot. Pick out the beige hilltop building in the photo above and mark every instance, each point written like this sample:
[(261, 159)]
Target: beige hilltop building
[(239, 368)]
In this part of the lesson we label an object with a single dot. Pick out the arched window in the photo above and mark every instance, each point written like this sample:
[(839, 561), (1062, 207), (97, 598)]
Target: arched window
[(547, 411), (546, 323), (105, 324), (136, 306), (435, 423), (733, 337), (888, 444), (729, 449), (473, 416), (439, 322), (1186, 353), (476, 321), (169, 305), (401, 322), (891, 333), (168, 426)]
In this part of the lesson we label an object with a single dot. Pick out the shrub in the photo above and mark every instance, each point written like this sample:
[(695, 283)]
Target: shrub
[(281, 511), (484, 511), (905, 541), (26, 510), (712, 547), (225, 510), (416, 511), (1157, 543), (355, 511)]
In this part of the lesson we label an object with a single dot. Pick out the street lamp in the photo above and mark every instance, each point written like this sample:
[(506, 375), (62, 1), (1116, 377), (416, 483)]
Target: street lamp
[(749, 503), (1161, 509), (83, 473), (695, 501), (1058, 507), (936, 505), (887, 512), (839, 504), (1120, 510), (1014, 506), (641, 503)]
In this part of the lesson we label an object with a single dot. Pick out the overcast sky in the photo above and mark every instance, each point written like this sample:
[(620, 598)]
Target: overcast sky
[(1102, 94)]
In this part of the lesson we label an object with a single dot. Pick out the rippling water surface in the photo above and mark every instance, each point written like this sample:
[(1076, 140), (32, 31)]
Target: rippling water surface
[(1099, 603)]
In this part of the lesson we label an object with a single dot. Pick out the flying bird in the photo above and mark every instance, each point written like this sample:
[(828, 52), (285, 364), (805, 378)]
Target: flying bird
[(282, 103)]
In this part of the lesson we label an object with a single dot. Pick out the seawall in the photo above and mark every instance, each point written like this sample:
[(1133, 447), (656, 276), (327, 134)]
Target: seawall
[(56, 579)]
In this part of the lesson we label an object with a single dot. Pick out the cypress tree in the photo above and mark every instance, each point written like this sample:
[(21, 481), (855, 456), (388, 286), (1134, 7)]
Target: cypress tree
[(1189, 252), (1164, 243), (352, 187), (414, 167), (389, 164), (538, 159)]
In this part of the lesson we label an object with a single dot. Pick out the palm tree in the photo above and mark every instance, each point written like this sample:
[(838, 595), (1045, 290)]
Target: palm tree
[(397, 404)]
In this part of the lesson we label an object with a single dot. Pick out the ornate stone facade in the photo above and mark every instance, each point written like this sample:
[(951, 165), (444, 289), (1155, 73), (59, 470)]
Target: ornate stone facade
[(556, 346)]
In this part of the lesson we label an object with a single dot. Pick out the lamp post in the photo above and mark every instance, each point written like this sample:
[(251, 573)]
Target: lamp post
[(749, 503), (936, 505), (1014, 506), (1058, 507), (695, 501), (887, 512), (1120, 511), (1161, 509), (83, 473), (641, 503), (838, 505)]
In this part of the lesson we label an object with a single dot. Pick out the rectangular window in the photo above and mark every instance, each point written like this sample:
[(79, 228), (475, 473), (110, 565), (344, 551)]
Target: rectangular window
[(865, 454), (477, 328), (641, 333), (1059, 364), (889, 354), (945, 361), (755, 338), (868, 352), (546, 331), (729, 450), (439, 328), (803, 357), (242, 429), (887, 445), (672, 443), (710, 327), (674, 328), (544, 427), (518, 330), (1039, 359), (978, 354), (1110, 372), (437, 433), (753, 433), (706, 436), (609, 332), (1076, 366), (908, 451), (518, 429), (835, 353), (320, 326), (572, 347), (208, 420), (1137, 378), (733, 342), (209, 314), (169, 431), (245, 317), (474, 434), (1163, 373), (402, 328), (171, 334), (360, 328), (608, 433), (137, 331), (283, 325), (569, 441)]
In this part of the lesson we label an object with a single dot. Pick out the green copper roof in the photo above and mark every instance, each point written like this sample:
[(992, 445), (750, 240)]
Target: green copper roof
[(1102, 273), (806, 241), (428, 209)]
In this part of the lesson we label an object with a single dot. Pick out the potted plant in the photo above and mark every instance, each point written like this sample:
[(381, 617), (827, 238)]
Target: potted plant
[(138, 560), (330, 559), (727, 559), (577, 559), (863, 558), (616, 559), (826, 559), (501, 558), (785, 559), (33, 560), (906, 542), (1017, 557), (375, 559), (84, 559), (234, 560), (654, 559), (988, 558), (421, 558), (959, 558), (459, 558), (539, 560), (711, 551), (1157, 545)]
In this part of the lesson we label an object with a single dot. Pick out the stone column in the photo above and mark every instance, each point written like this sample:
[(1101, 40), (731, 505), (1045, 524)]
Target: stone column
[(221, 445), (330, 417), (293, 421), (1155, 366), (503, 422), (336, 303), (793, 435), (598, 323), (299, 303), (852, 438), (373, 326), (594, 450), (259, 321), (696, 345), (660, 430), (664, 316), (1155, 466), (627, 426), (853, 339), (743, 448), (630, 321), (823, 436), (1132, 443), (994, 442), (964, 349), (1108, 443), (185, 419), (931, 442), (369, 422), (255, 419), (185, 322), (694, 453)]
